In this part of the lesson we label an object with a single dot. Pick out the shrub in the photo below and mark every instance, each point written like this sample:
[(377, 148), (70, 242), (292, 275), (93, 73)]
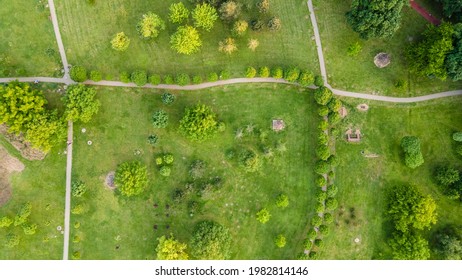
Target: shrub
[(257, 25), (197, 169), (263, 6), (282, 201), (212, 77), (277, 73), (159, 161), (412, 154), (334, 104), (12, 240), (167, 98), (199, 123), (250, 72), (5, 222), (401, 85), (446, 175), (274, 24), (182, 79), (124, 77), (319, 208), (197, 79), (250, 161), (321, 181), (354, 49), (224, 75), (165, 171), (152, 139), (318, 81), (319, 243), (323, 139), (78, 188), (316, 221), (307, 244), (160, 119), (312, 234), (120, 42), (328, 218), (457, 136), (280, 241), (210, 241), (334, 118), (263, 216), (229, 10), (154, 79), (78, 209), (292, 74), (264, 72), (323, 111), (77, 225), (333, 161), (227, 46), (23, 213), (240, 27), (76, 255), (139, 77), (323, 125), (313, 255), (306, 79), (131, 178), (331, 204), (253, 44), (168, 158), (96, 76), (322, 151), (321, 196), (78, 73), (322, 95), (168, 79), (331, 190), (324, 230), (459, 149), (221, 127), (29, 229)]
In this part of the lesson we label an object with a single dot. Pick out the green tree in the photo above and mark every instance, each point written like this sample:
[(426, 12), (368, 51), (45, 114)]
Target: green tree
[(263, 216), (292, 74), (204, 16), (199, 123), (78, 188), (250, 72), (150, 26), (227, 46), (446, 175), (139, 77), (427, 57), (306, 79), (263, 6), (78, 73), (120, 42), (375, 18), (168, 98), (409, 246), (282, 201), (186, 40), (452, 9), (322, 95), (457, 136), (354, 49), (171, 249), (211, 241), (95, 76), (447, 243), (240, 27), (280, 241), (80, 103), (45, 131), (160, 119), (229, 10), (412, 155), (178, 13), (5, 222), (29, 229), (131, 178)]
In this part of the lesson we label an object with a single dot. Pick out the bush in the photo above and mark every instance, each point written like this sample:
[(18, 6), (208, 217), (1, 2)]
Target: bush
[(459, 149), (320, 181), (197, 79), (23, 213), (334, 118), (124, 77), (139, 77), (227, 45), (5, 222), (457, 136), (76, 255), (263, 216), (306, 79), (225, 75), (168, 79), (182, 79), (210, 241), (319, 208), (323, 111), (318, 81), (250, 72), (131, 178), (168, 98), (316, 221), (250, 161), (328, 218), (334, 104), (159, 161), (277, 73), (312, 234), (154, 79), (240, 27), (197, 169), (120, 42), (333, 161), (78, 209), (354, 49), (446, 175), (319, 243), (29, 229), (331, 190), (324, 230), (78, 73), (282, 201), (280, 241), (165, 171), (199, 123), (401, 85), (221, 127), (96, 76), (321, 196), (78, 188), (323, 152), (152, 139), (323, 139), (331, 204), (323, 125), (264, 72), (292, 75), (168, 158), (212, 77), (257, 25), (313, 255), (274, 24), (160, 119), (322, 95), (12, 240)]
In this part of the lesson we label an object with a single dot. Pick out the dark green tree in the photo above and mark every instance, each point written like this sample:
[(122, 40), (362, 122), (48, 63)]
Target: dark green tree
[(199, 123), (210, 241)]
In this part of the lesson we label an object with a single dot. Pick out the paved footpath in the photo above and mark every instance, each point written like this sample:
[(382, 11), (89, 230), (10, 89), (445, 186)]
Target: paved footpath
[(59, 40), (67, 210), (317, 38)]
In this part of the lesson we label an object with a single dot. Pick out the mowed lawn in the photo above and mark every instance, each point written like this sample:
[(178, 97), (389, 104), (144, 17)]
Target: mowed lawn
[(362, 181), (115, 227), (87, 39), (360, 73), (28, 46)]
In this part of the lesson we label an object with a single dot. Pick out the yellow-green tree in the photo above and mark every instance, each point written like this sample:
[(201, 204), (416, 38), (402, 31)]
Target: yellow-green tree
[(178, 13), (204, 16), (81, 103), (199, 123), (120, 42), (171, 249), (186, 40), (150, 26)]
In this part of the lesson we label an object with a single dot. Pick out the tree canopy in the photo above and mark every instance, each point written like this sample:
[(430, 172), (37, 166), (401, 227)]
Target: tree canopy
[(186, 40), (211, 241), (171, 249), (413, 157), (322, 95), (178, 13), (150, 26), (409, 246), (204, 16), (199, 123), (80, 103), (131, 178), (120, 42), (452, 9)]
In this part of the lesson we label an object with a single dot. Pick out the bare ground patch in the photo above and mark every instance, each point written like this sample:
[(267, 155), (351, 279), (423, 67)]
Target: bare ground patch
[(8, 164), (21, 145)]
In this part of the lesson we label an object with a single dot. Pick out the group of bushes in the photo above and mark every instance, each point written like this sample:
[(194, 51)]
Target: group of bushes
[(324, 168), (20, 220), (291, 74), (164, 162)]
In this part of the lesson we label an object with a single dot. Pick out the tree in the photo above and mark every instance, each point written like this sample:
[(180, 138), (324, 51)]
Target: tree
[(178, 13), (29, 229), (95, 76), (182, 79), (131, 178), (171, 249), (282, 201), (139, 77), (23, 214), (306, 79), (322, 95), (264, 72), (253, 44), (316, 221), (274, 23), (446, 175), (292, 74), (168, 98), (331, 204), (186, 40), (452, 9), (199, 123), (412, 155), (280, 241), (228, 45), (321, 167), (160, 119), (447, 243), (229, 10), (409, 246), (45, 131), (150, 26), (354, 49), (263, 216), (250, 72), (80, 103), (375, 18), (240, 27), (120, 42), (211, 241), (5, 222), (78, 73), (78, 188), (457, 136), (427, 57), (165, 171), (263, 6), (204, 16), (408, 209)]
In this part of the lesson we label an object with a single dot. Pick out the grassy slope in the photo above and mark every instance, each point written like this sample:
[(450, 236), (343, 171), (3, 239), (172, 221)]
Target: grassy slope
[(362, 181), (87, 40), (26, 34), (359, 73), (122, 127)]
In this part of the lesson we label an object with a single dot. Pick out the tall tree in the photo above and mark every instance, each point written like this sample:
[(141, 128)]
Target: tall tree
[(150, 26), (204, 16), (375, 18), (452, 9), (178, 13), (171, 249), (211, 241), (409, 246), (186, 40), (81, 103)]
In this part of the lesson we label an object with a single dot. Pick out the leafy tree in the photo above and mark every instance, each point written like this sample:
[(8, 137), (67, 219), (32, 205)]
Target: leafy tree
[(263, 216), (409, 209), (228, 45), (182, 79), (321, 167), (45, 131), (334, 104), (375, 18), (80, 103), (78, 73), (160, 119), (316, 221), (253, 44), (320, 208), (211, 241), (212, 77), (131, 178), (154, 79), (204, 16), (323, 152), (139, 77), (322, 95), (332, 191), (169, 80), (280, 241), (168, 98), (229, 10), (199, 123), (5, 222), (250, 161), (319, 243), (165, 171), (324, 230), (186, 40), (292, 74), (354, 49), (29, 229), (171, 249), (448, 243), (224, 75), (282, 201), (78, 188), (328, 218), (274, 23), (427, 57), (95, 76), (240, 27), (409, 246), (197, 79), (312, 234), (120, 42), (264, 72), (452, 9), (331, 204), (12, 240), (412, 154), (318, 81), (178, 13), (446, 175), (250, 72), (320, 181), (457, 136), (263, 6), (124, 77), (306, 79), (150, 26), (168, 158)]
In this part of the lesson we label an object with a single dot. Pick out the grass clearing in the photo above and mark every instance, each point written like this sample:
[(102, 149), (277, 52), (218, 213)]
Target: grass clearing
[(28, 46), (118, 228), (87, 40)]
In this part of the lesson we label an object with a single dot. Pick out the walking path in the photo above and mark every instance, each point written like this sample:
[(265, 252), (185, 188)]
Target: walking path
[(421, 10), (67, 208), (317, 38), (59, 40)]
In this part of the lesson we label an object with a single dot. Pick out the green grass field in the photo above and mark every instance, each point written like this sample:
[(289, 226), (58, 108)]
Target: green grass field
[(121, 129), (362, 180), (360, 73), (28, 46), (87, 40)]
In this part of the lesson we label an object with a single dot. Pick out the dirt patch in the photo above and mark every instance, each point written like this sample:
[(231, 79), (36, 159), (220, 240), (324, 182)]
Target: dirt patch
[(362, 107), (21, 145), (8, 164), (109, 180)]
